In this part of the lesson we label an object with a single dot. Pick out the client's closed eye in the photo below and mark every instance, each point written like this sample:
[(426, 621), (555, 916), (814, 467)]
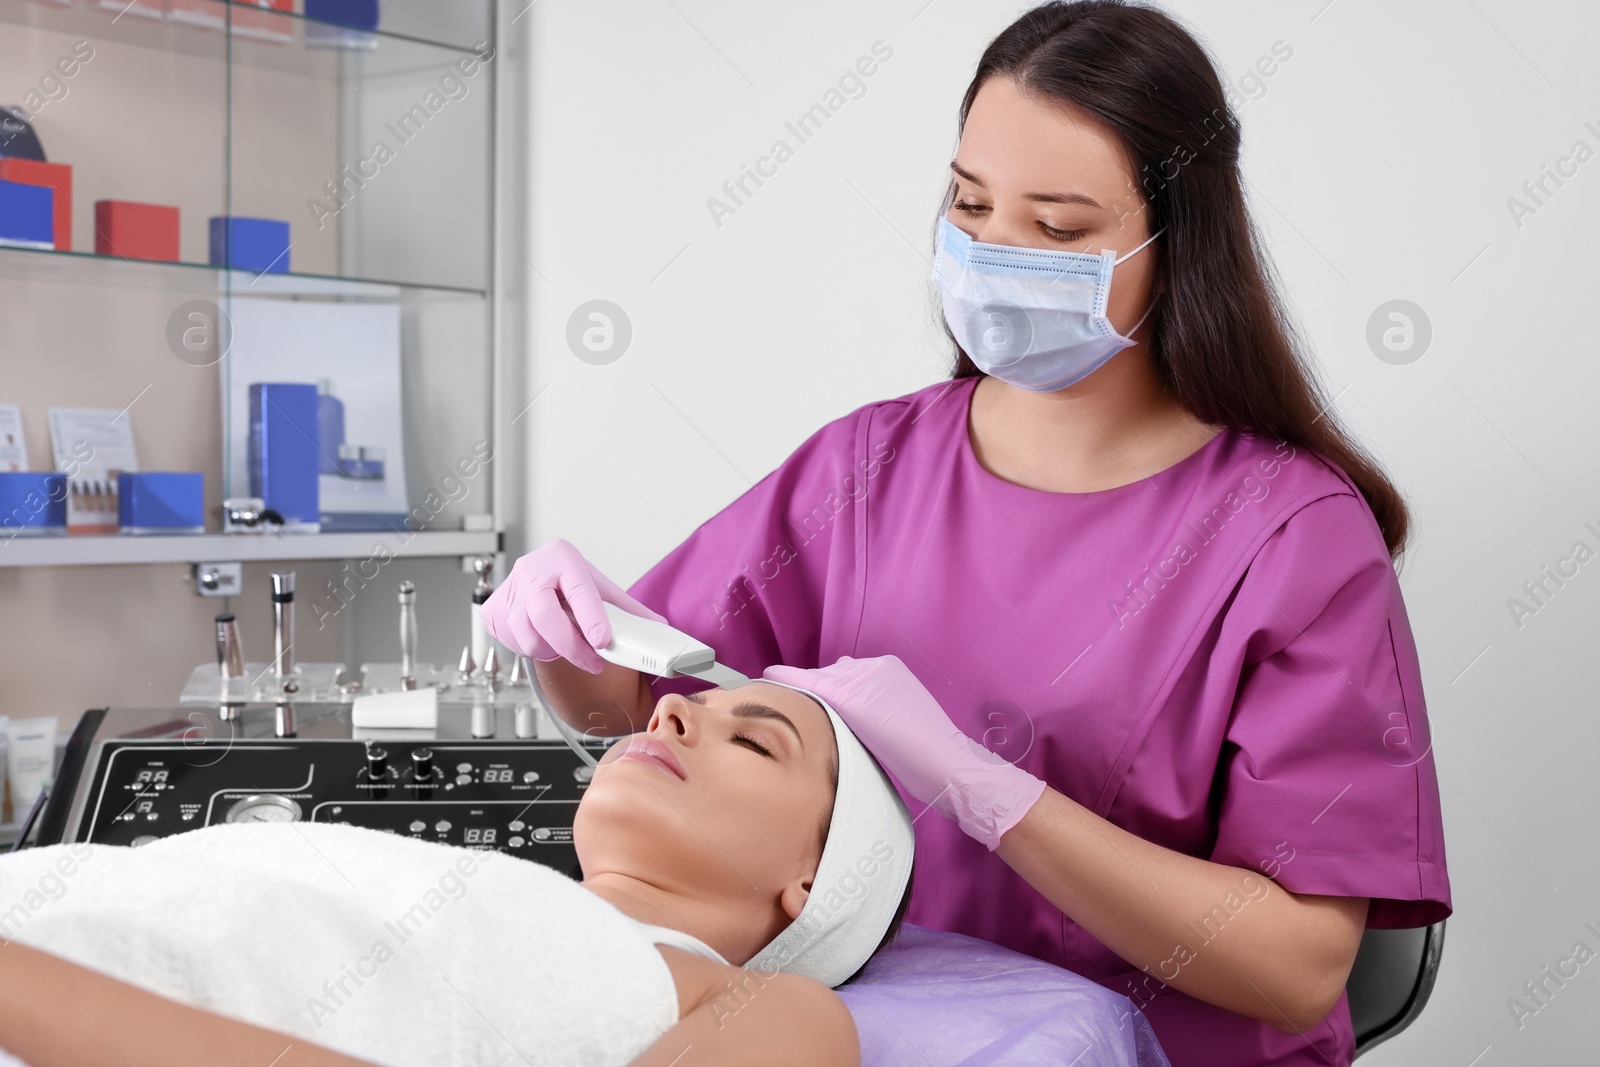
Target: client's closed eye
[(753, 743)]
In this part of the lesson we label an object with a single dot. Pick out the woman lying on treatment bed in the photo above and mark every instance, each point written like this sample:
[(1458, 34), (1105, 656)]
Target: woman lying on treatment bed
[(742, 827)]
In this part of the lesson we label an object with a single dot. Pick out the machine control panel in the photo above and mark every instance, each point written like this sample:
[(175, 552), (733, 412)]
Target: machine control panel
[(517, 797)]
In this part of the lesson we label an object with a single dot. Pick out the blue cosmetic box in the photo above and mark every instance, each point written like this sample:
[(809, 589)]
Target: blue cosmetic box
[(161, 502), (27, 215), (283, 451), (32, 503), (357, 14), (260, 245)]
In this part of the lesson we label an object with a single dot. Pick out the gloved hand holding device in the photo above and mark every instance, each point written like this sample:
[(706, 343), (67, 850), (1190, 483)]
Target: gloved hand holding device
[(527, 615), (902, 724)]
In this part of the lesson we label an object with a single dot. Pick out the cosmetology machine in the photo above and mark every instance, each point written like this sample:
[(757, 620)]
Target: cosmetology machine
[(462, 757)]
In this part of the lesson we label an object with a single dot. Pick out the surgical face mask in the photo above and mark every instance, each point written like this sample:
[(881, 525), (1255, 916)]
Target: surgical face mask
[(1029, 316)]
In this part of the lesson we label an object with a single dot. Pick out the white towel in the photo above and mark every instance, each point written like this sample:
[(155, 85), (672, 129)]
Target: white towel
[(395, 950)]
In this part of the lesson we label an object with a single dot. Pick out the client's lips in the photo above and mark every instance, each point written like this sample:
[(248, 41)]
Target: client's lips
[(647, 749)]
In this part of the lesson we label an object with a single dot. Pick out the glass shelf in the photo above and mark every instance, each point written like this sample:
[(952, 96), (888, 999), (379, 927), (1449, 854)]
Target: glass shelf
[(92, 269), (410, 35), (379, 160), (112, 549)]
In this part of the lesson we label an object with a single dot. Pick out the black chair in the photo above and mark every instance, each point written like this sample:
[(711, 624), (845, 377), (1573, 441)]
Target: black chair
[(1391, 980)]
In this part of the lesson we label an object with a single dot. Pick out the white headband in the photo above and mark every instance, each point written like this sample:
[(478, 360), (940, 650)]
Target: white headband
[(861, 877)]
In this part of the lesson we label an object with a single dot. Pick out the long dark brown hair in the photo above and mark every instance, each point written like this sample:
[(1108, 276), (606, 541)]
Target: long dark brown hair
[(1228, 352)]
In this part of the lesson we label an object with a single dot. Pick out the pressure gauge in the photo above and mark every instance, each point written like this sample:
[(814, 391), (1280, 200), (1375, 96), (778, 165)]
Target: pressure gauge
[(264, 807)]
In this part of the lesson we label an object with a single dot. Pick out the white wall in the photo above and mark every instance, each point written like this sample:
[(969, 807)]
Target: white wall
[(1380, 159)]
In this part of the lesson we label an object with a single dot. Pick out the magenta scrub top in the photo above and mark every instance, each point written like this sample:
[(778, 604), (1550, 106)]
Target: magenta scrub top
[(1216, 658)]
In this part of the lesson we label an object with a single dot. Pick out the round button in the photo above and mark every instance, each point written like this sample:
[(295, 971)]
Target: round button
[(443, 826), (516, 826), (265, 807), (463, 768), (516, 842), (530, 776), (541, 833), (150, 816), (144, 839), (463, 779), (417, 826), (584, 773)]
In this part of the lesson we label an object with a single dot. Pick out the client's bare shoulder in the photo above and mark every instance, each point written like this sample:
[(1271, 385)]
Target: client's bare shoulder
[(735, 1016)]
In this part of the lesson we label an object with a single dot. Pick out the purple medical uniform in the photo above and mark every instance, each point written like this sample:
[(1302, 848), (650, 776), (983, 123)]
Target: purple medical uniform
[(1216, 658)]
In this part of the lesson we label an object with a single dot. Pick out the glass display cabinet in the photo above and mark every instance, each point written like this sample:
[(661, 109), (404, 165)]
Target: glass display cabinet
[(303, 192), (365, 158)]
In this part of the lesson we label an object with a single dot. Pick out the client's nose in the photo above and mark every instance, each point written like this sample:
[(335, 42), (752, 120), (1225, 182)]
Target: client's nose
[(676, 717)]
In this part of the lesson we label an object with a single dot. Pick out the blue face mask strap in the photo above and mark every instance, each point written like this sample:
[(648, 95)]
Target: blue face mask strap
[(1152, 237)]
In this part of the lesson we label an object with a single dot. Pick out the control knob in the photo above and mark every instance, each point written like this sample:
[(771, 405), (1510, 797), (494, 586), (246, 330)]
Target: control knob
[(422, 763), (377, 764)]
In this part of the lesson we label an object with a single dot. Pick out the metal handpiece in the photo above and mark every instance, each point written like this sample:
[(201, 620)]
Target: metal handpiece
[(481, 592), (408, 635), (491, 670), (525, 717), (230, 665), (230, 656), (283, 625)]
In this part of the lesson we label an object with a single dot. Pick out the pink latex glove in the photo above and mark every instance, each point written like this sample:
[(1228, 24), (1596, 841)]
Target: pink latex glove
[(526, 616), (902, 724)]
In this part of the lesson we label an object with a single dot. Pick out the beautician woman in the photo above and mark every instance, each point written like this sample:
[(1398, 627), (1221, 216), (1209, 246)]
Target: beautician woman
[(1117, 600)]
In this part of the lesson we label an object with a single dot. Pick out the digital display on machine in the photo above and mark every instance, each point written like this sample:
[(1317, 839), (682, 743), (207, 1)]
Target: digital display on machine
[(497, 774), (480, 837)]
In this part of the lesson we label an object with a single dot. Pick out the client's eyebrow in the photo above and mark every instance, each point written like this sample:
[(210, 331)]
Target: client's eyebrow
[(752, 709)]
